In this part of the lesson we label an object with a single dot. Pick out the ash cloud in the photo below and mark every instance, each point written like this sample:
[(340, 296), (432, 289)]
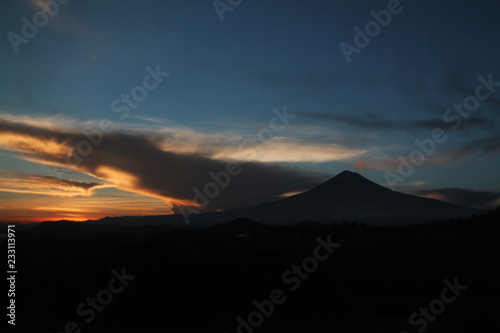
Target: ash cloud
[(149, 168)]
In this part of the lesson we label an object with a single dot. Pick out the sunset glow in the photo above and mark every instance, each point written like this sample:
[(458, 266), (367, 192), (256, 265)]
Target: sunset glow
[(95, 111)]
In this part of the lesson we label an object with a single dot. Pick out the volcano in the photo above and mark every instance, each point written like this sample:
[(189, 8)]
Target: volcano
[(345, 197), (351, 197)]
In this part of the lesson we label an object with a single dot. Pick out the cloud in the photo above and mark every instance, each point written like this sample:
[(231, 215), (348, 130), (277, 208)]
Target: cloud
[(463, 197), (371, 121), (277, 151), (489, 145), (432, 123), (359, 165), (28, 134), (251, 147), (47, 185), (160, 165)]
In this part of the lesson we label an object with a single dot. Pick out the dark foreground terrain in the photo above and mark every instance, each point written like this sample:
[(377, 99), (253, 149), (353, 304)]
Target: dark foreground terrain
[(202, 280)]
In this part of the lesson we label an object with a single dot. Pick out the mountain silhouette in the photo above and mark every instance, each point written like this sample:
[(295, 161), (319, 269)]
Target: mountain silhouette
[(351, 197), (346, 197)]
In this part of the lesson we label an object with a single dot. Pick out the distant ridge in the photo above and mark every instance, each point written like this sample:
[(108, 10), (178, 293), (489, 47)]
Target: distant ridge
[(346, 197)]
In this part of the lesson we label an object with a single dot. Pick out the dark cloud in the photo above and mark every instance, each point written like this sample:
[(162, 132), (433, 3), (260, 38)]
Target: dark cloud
[(489, 145), (371, 121), (463, 197), (463, 82), (50, 180), (167, 174), (477, 121)]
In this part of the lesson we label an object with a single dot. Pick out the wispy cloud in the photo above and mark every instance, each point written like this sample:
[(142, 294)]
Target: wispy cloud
[(488, 145), (383, 162), (464, 197), (372, 121), (47, 185)]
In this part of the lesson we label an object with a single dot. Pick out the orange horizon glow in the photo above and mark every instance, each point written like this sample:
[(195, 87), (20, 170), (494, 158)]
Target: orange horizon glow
[(72, 218), (34, 208), (39, 220)]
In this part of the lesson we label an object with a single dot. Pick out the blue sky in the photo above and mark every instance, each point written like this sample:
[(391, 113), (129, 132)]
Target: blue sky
[(226, 77)]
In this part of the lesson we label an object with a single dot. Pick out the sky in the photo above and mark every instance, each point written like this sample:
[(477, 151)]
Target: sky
[(111, 108)]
